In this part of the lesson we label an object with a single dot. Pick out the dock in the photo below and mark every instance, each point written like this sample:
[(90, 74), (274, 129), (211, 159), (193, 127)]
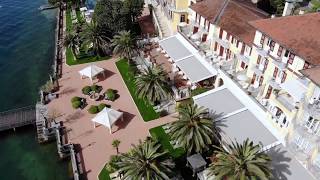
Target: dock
[(17, 118), (47, 6)]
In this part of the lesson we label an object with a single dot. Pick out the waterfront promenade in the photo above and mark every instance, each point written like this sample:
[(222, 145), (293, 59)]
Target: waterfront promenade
[(96, 142)]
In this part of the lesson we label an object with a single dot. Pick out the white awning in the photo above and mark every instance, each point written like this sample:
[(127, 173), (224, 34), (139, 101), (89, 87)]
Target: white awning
[(195, 69), (91, 71), (107, 117), (295, 89)]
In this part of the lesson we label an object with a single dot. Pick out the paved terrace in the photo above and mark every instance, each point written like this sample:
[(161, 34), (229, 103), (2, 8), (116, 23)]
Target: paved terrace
[(95, 143)]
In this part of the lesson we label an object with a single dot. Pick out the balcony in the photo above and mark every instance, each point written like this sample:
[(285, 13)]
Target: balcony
[(278, 63), (313, 108), (258, 69), (287, 101), (275, 83), (263, 51), (243, 58)]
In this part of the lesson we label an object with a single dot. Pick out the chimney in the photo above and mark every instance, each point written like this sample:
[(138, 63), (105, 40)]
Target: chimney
[(288, 8)]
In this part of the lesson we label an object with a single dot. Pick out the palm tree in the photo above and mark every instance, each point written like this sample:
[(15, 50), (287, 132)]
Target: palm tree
[(71, 41), (146, 161), (115, 144), (241, 161), (152, 83), (194, 130), (124, 45), (94, 37)]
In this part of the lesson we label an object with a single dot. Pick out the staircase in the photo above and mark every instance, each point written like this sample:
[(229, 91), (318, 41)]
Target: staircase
[(162, 22)]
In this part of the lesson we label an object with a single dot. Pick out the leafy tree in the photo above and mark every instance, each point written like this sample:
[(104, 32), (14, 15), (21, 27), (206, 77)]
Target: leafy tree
[(152, 84), (115, 144), (133, 8), (194, 130), (146, 161), (124, 45), (71, 41), (278, 5), (95, 37), (241, 161), (110, 16)]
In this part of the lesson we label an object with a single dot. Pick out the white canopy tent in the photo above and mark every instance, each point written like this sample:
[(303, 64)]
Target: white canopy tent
[(91, 71), (107, 117)]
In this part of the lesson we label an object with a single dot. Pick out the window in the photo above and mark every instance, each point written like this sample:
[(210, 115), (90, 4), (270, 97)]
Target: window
[(284, 75), (265, 65), (208, 26), (262, 39), (183, 18), (268, 92), (228, 36), (220, 33), (275, 72), (260, 80), (243, 65), (271, 45), (291, 57), (306, 65), (253, 78), (204, 37), (259, 59), (237, 42), (286, 54), (280, 51)]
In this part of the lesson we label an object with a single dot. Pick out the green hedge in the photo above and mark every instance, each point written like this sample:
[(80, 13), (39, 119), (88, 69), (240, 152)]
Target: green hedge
[(145, 108), (104, 174), (164, 139)]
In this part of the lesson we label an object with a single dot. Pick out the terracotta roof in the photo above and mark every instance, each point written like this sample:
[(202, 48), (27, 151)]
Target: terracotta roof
[(313, 74), (298, 33), (234, 17)]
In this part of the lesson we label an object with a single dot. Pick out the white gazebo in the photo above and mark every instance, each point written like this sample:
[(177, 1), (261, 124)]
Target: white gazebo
[(91, 72), (107, 117)]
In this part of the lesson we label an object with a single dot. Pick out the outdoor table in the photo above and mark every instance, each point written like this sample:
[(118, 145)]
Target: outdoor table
[(196, 162)]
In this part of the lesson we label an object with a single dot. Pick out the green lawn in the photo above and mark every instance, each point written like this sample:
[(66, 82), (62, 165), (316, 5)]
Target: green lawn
[(199, 90), (83, 58), (145, 108), (104, 174), (160, 134)]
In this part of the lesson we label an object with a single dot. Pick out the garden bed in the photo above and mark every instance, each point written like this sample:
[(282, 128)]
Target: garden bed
[(104, 174), (145, 108), (164, 139)]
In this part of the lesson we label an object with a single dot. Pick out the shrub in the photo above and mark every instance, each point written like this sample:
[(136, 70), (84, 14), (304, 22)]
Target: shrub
[(101, 106), (93, 109), (110, 94), (86, 90), (76, 98), (112, 164), (76, 104), (96, 88)]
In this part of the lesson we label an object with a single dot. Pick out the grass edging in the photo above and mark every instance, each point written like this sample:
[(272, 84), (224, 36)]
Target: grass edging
[(104, 174), (164, 139), (145, 108)]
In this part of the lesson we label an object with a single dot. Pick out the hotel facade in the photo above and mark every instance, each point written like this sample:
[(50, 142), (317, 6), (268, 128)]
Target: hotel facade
[(273, 60)]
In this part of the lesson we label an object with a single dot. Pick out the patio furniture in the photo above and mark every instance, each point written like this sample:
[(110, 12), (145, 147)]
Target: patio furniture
[(196, 162)]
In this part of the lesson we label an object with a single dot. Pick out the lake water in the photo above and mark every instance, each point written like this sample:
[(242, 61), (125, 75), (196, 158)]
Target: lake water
[(26, 54)]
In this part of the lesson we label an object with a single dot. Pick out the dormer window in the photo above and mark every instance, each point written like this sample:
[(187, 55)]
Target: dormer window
[(271, 45), (262, 39), (279, 53), (291, 57)]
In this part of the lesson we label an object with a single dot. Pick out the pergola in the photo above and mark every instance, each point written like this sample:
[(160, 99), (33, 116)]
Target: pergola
[(91, 72), (107, 117)]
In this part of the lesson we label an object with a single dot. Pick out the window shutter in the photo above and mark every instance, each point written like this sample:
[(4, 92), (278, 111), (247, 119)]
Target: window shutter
[(261, 80), (275, 72), (266, 61), (259, 59), (253, 78), (220, 33), (284, 75), (291, 57), (268, 92), (262, 39)]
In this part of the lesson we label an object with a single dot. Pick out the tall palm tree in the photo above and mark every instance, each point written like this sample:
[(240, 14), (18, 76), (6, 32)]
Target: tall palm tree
[(152, 83), (124, 45), (241, 161), (194, 130), (146, 161), (94, 37), (71, 41)]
